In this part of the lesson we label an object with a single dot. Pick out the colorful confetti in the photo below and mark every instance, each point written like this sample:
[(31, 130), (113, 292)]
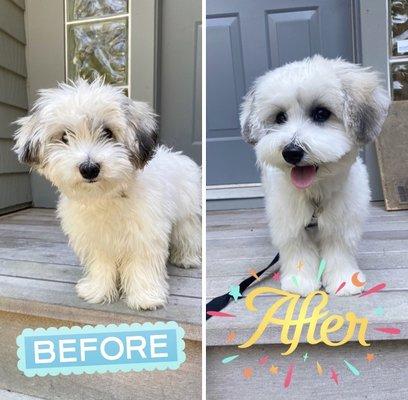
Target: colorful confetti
[(254, 274), (273, 369), (378, 311), (234, 292), (263, 360), (352, 368), (319, 368), (220, 314), (370, 357), (355, 281), (342, 284), (373, 290), (276, 276), (231, 336), (334, 376), (228, 359), (391, 331), (288, 377), (305, 356), (322, 267), (295, 280), (247, 372)]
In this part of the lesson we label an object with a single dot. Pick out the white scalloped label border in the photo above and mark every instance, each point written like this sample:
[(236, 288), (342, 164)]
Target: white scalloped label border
[(89, 369)]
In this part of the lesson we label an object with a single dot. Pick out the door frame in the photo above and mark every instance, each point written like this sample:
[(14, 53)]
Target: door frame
[(253, 191)]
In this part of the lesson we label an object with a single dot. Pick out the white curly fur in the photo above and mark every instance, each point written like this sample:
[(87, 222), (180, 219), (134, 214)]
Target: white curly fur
[(137, 213), (358, 108)]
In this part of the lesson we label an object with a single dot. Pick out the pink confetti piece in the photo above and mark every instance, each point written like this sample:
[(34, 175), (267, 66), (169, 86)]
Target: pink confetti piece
[(373, 290), (219, 314), (276, 276), (334, 376), (391, 331), (342, 284), (263, 360), (288, 377)]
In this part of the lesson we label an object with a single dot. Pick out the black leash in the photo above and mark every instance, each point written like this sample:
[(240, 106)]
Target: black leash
[(222, 301)]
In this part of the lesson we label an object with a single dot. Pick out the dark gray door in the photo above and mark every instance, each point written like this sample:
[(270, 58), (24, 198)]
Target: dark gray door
[(245, 38)]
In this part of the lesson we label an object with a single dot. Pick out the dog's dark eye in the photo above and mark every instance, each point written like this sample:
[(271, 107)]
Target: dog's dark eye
[(320, 114), (281, 118), (107, 133), (64, 138)]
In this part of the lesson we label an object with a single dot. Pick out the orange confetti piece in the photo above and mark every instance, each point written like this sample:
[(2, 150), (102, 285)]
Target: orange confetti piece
[(231, 336), (254, 274), (319, 368), (370, 357), (273, 369), (248, 373)]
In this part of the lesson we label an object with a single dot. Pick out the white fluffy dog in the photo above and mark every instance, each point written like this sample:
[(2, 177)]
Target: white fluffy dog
[(125, 204), (307, 121)]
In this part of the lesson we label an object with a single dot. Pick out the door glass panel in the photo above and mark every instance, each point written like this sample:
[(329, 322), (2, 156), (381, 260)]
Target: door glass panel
[(78, 9), (99, 49), (399, 27), (400, 81)]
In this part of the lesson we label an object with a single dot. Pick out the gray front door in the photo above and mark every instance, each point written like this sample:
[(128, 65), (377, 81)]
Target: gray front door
[(245, 38)]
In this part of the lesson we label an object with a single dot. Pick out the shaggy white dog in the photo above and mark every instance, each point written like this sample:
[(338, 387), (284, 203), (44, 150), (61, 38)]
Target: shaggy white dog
[(307, 121), (124, 203)]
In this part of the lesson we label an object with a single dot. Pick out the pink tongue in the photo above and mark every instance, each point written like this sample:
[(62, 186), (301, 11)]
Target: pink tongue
[(303, 177)]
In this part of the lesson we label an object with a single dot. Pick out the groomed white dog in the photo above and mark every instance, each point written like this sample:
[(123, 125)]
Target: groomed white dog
[(125, 204), (308, 121)]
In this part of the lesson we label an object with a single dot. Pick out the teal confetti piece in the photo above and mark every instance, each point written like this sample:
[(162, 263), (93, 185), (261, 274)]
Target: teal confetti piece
[(379, 311), (322, 267), (295, 280), (352, 368), (227, 360)]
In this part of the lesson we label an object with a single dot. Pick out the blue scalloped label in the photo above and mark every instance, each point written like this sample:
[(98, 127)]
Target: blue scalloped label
[(91, 349)]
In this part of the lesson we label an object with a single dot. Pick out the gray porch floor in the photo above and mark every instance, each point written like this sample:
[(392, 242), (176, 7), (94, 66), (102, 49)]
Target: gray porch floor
[(238, 241), (38, 273)]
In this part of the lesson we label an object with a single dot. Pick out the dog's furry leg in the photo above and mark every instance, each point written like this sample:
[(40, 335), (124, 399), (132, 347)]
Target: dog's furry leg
[(299, 264), (340, 231), (144, 277), (185, 242), (99, 283)]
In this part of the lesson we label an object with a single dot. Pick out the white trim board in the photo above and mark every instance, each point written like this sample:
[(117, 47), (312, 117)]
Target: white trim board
[(239, 191)]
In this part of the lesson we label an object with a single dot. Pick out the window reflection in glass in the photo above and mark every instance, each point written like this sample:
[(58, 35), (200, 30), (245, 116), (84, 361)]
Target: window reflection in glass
[(399, 27), (400, 81), (78, 9), (98, 49)]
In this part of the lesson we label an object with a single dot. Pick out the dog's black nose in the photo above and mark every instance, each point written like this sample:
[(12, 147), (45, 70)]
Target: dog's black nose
[(89, 170), (292, 153)]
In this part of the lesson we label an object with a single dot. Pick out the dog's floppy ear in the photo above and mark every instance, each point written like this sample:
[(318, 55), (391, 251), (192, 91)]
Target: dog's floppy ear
[(27, 140), (366, 103), (248, 130), (142, 122)]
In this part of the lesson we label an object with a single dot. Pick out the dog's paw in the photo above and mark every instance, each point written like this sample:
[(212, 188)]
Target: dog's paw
[(299, 284), (333, 279), (93, 292), (145, 303), (185, 260)]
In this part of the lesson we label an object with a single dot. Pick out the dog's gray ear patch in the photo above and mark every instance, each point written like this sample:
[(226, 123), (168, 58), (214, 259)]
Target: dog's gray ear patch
[(365, 118), (29, 154), (142, 122), (147, 146), (247, 108)]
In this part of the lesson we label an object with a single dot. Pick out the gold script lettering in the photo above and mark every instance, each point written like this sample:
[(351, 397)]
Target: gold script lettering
[(329, 325)]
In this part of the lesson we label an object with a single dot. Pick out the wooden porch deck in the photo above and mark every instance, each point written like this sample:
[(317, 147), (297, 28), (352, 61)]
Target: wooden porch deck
[(238, 241), (38, 273)]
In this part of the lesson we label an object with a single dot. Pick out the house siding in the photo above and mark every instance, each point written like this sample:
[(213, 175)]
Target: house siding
[(15, 189)]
